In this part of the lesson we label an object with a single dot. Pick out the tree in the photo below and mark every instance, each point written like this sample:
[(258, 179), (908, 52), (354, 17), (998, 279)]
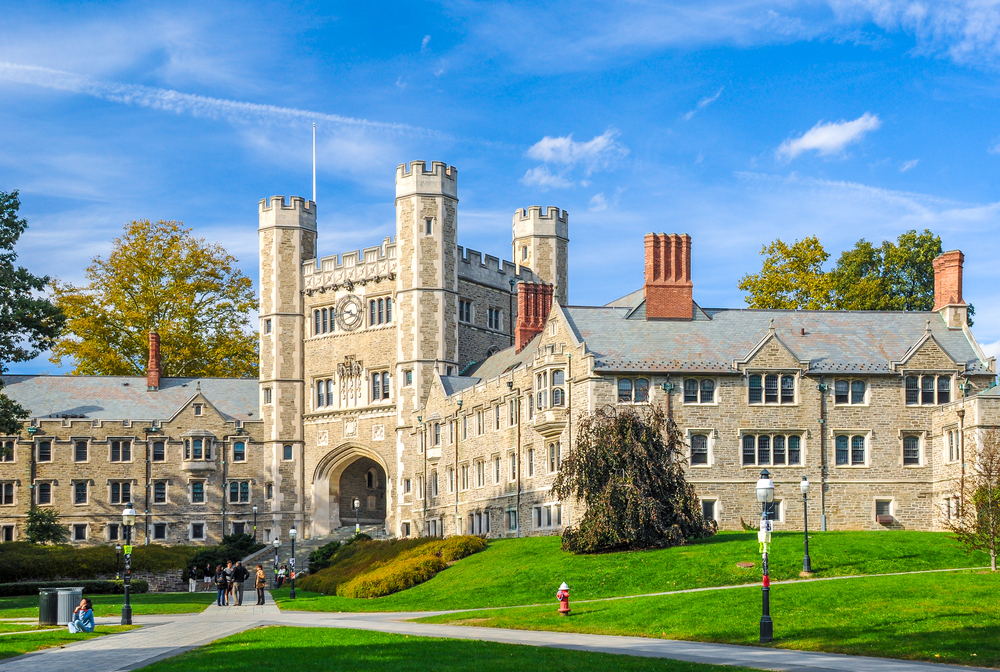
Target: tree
[(159, 277), (627, 467), (792, 277), (43, 527), (29, 323), (976, 525)]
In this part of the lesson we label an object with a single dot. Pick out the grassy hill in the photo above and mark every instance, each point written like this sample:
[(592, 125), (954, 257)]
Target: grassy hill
[(528, 571)]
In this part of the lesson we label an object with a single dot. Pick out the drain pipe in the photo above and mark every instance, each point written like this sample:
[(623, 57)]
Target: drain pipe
[(823, 389)]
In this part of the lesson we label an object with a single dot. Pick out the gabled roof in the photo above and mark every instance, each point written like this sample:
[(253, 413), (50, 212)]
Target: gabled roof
[(126, 398), (830, 341)]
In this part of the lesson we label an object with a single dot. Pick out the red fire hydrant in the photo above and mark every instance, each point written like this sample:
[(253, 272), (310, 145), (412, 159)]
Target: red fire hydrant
[(563, 597)]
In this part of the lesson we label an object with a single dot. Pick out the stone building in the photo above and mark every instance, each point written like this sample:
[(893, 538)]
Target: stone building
[(431, 389)]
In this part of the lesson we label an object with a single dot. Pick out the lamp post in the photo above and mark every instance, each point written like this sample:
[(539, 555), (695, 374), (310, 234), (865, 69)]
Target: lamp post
[(277, 544), (804, 487), (118, 569), (357, 515), (765, 495), (292, 533), (255, 523), (128, 520)]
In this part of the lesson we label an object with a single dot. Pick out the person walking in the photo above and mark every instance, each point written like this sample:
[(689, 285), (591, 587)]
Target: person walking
[(193, 575), (220, 587), (240, 574), (229, 581), (206, 576), (260, 582)]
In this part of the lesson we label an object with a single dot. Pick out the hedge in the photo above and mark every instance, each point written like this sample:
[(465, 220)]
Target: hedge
[(393, 577), (354, 557), (89, 587), (24, 561)]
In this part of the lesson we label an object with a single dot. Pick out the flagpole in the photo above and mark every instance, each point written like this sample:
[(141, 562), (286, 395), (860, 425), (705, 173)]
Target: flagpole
[(314, 162)]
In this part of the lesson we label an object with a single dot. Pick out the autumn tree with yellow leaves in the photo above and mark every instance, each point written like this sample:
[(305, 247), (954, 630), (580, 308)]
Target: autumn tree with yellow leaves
[(158, 277)]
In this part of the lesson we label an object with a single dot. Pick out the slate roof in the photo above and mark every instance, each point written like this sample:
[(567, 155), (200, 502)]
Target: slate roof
[(834, 341), (126, 398)]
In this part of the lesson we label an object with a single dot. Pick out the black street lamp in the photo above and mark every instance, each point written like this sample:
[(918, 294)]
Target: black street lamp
[(118, 559), (765, 495), (804, 487), (292, 533), (357, 515), (128, 520), (255, 523), (277, 544)]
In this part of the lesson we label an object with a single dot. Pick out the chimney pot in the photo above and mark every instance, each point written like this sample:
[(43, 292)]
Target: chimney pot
[(153, 368)]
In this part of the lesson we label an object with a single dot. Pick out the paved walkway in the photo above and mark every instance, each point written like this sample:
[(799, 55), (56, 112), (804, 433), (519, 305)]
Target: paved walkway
[(168, 635)]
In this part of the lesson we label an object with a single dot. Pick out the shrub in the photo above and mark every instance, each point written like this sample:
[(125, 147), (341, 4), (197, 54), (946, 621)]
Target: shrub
[(89, 587), (42, 527), (355, 556), (320, 558), (392, 577), (23, 561), (456, 548)]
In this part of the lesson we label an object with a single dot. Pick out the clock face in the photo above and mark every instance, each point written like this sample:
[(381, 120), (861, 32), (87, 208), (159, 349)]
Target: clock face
[(349, 313)]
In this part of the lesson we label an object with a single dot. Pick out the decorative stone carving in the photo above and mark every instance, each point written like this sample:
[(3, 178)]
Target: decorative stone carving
[(378, 432)]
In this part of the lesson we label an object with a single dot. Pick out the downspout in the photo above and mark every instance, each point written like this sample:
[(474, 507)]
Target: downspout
[(823, 389)]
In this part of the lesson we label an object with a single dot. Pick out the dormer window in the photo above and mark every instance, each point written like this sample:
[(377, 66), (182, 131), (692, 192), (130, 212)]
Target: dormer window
[(927, 390), (197, 409)]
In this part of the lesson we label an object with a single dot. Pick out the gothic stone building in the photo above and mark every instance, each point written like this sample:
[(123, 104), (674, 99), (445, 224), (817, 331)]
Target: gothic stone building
[(437, 389)]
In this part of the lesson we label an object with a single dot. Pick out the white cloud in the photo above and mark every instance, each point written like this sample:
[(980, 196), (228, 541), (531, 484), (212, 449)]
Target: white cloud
[(991, 349), (909, 165), (703, 103), (829, 138), (424, 42), (600, 151), (544, 179), (598, 203)]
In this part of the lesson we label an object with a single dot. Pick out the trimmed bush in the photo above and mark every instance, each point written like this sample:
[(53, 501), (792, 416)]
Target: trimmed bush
[(355, 556), (23, 561), (456, 548), (89, 587), (392, 577)]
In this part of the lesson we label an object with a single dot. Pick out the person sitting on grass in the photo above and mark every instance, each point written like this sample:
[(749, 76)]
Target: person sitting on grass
[(83, 617)]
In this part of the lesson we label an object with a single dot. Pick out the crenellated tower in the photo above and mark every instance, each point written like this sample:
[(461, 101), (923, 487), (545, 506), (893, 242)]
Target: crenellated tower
[(287, 236), (541, 243), (427, 281)]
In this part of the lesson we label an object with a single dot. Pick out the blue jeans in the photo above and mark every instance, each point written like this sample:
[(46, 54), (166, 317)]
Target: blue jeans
[(220, 600)]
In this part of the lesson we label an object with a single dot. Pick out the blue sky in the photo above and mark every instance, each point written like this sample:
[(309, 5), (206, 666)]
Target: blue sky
[(736, 121)]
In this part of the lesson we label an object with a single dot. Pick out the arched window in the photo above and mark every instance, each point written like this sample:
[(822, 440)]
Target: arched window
[(912, 390), (371, 479), (376, 386), (388, 310), (944, 389), (371, 320), (927, 390), (707, 391), (857, 450), (763, 449), (749, 442), (624, 390), (690, 391), (858, 391), (641, 391), (385, 385), (788, 389), (316, 328), (779, 449), (329, 392), (325, 321), (197, 452), (187, 449), (756, 389), (381, 311), (771, 389), (843, 456), (794, 450), (699, 449), (320, 400), (841, 392), (911, 450)]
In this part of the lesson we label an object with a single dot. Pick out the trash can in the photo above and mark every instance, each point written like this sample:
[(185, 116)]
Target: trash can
[(48, 602), (69, 599)]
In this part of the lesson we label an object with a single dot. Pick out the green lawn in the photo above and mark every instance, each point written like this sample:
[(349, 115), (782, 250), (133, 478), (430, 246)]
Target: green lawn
[(26, 625), (111, 605), (360, 650), (15, 645), (528, 571), (948, 617)]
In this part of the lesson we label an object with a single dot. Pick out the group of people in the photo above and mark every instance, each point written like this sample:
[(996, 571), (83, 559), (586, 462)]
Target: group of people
[(229, 584)]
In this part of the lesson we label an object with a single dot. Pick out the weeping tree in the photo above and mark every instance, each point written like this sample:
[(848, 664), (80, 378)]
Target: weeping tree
[(628, 468)]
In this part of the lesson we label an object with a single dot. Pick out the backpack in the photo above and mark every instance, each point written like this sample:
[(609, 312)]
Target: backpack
[(220, 578)]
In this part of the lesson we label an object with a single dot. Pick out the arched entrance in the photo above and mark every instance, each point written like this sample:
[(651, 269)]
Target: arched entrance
[(344, 473)]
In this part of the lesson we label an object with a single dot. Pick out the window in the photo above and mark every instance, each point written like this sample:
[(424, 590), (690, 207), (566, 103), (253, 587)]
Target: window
[(267, 395), (765, 389), (531, 461), (542, 389), (630, 391), (80, 492), (159, 531), (480, 473), (512, 520), (772, 449), (434, 484), (944, 389), (114, 532), (428, 226), (121, 493), (197, 531), (549, 515), (850, 450), (407, 486), (407, 377), (927, 390), (708, 509), (493, 318), (197, 409), (952, 445), (912, 390), (269, 491), (160, 492), (921, 390), (771, 389), (756, 391), (437, 433), (451, 479), (286, 453), (511, 466), (80, 451), (641, 390), (198, 449), (159, 451), (699, 449), (911, 450), (512, 412), (7, 451), (496, 469), (464, 310), (79, 533), (465, 477), (267, 326), (555, 457), (323, 321), (850, 392), (44, 493), (531, 406), (239, 492), (239, 528), (480, 425), (198, 492), (7, 494), (699, 391), (788, 389), (883, 507), (239, 452), (497, 418), (44, 451)]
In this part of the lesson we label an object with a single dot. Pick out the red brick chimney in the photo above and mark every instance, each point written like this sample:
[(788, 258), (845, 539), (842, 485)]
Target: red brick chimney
[(534, 301), (153, 369), (948, 288), (668, 288)]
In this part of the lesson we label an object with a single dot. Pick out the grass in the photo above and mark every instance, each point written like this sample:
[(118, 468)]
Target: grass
[(15, 645), (528, 571), (360, 650), (143, 604), (21, 627), (941, 618)]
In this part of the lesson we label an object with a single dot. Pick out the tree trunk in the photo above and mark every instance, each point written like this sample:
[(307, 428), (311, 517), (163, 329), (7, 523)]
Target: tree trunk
[(993, 560)]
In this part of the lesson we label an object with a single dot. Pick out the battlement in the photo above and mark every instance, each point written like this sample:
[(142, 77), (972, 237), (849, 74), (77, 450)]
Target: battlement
[(369, 264), (414, 178), (298, 211), (490, 270), (536, 220)]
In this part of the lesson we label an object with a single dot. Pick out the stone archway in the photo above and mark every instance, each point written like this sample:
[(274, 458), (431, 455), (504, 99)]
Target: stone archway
[(343, 474)]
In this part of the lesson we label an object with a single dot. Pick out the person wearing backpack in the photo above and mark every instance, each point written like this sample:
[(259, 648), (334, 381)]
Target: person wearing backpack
[(220, 585), (260, 582), (240, 574)]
